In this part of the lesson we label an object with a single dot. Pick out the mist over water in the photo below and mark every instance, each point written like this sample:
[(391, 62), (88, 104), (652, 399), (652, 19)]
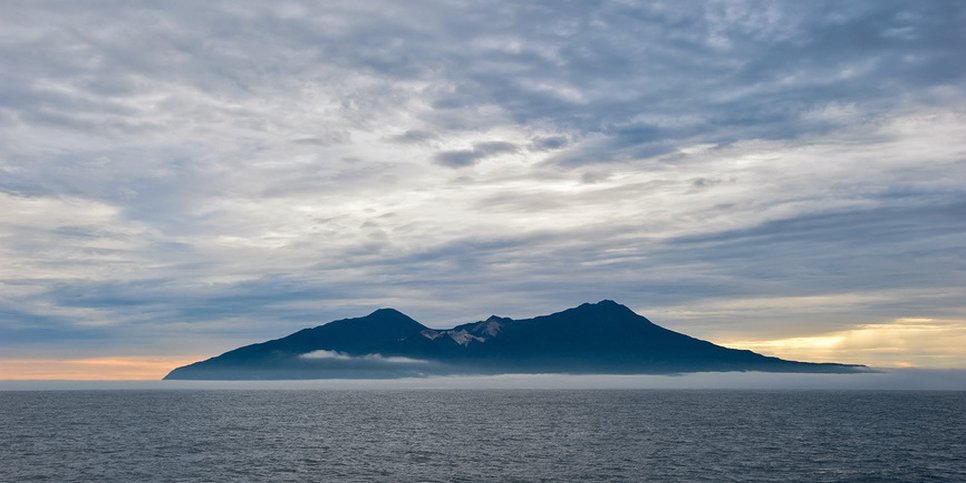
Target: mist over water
[(482, 435), (878, 379)]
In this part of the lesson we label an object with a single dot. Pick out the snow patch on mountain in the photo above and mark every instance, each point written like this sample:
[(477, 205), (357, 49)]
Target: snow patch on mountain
[(431, 334), (478, 332), (463, 337)]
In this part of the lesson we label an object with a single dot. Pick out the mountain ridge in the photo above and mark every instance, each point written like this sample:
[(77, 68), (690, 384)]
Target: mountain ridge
[(604, 337)]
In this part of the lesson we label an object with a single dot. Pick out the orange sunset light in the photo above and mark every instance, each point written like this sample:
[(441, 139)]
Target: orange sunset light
[(92, 369)]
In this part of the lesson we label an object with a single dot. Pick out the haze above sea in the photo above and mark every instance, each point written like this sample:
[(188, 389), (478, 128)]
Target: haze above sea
[(876, 379)]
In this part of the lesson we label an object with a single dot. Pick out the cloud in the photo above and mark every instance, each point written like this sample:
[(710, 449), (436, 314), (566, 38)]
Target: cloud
[(207, 177), (377, 358), (466, 157), (413, 136), (548, 143)]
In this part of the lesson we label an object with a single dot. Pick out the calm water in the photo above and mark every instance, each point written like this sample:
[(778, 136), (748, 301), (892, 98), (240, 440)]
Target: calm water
[(484, 435)]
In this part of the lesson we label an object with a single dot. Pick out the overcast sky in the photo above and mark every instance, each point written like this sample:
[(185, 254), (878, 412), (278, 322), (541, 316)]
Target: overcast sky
[(180, 178)]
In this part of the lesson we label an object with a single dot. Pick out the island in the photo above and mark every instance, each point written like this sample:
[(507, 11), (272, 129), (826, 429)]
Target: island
[(593, 338)]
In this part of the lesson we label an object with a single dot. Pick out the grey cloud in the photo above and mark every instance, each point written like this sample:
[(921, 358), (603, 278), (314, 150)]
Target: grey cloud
[(702, 182), (593, 177), (325, 140), (460, 158), (467, 157), (548, 143), (414, 136)]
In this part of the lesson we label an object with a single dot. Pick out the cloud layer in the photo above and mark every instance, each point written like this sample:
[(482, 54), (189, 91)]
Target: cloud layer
[(182, 178)]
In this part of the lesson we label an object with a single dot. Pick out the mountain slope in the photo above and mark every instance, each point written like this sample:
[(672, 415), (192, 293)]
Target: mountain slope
[(605, 337)]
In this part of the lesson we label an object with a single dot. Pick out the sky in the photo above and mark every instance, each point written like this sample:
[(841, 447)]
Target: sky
[(181, 178)]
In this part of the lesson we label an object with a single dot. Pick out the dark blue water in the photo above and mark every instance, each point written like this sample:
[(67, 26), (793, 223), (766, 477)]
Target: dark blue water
[(485, 435)]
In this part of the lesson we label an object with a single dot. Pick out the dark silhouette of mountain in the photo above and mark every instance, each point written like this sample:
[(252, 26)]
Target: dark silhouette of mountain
[(601, 338)]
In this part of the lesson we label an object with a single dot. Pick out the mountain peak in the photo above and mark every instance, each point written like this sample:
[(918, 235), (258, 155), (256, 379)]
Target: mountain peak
[(608, 303), (606, 306), (387, 312), (384, 319)]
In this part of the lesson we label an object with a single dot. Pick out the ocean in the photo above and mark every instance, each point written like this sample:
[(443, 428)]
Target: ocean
[(481, 435)]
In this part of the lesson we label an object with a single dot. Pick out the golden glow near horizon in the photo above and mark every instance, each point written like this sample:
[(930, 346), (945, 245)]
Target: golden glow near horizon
[(904, 342), (92, 369)]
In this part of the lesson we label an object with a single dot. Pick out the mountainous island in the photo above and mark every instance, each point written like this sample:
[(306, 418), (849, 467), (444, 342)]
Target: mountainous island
[(601, 338)]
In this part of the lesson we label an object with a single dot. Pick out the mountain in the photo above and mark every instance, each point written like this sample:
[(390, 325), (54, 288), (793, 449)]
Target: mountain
[(601, 338)]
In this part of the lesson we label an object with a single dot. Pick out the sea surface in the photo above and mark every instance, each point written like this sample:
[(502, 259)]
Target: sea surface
[(481, 435)]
